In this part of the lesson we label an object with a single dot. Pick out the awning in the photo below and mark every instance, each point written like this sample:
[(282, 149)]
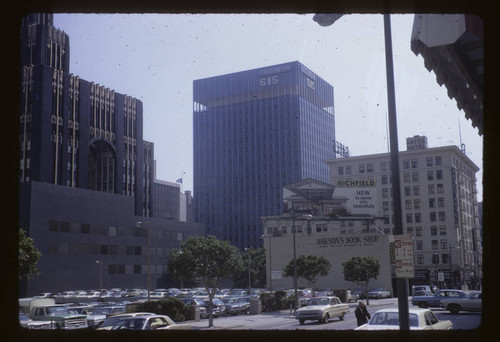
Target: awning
[(452, 46)]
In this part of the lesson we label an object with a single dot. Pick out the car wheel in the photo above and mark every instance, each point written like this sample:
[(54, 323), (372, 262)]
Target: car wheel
[(301, 321), (325, 318), (423, 305), (342, 315), (454, 308)]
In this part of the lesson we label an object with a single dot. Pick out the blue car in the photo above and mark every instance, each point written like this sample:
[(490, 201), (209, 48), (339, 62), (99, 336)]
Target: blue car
[(434, 300)]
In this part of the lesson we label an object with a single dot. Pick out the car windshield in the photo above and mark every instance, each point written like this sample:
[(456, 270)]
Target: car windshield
[(101, 311), (55, 310), (319, 301), (391, 318), (129, 324)]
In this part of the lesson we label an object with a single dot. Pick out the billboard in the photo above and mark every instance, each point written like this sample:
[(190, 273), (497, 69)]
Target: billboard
[(361, 195)]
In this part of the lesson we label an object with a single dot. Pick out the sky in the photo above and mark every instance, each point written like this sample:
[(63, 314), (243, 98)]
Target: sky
[(156, 57)]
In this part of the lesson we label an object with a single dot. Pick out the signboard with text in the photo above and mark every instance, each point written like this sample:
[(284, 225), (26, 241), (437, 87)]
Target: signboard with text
[(361, 194), (403, 252)]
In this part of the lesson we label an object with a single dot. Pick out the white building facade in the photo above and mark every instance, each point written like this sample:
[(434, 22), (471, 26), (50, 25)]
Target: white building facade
[(439, 208)]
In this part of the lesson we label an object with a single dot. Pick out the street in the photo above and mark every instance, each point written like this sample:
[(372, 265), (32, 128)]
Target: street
[(284, 321)]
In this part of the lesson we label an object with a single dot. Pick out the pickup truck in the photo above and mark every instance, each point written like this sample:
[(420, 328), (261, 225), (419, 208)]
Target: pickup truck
[(58, 315), (322, 309)]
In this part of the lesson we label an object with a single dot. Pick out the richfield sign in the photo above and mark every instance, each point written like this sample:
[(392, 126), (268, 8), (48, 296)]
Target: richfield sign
[(361, 194)]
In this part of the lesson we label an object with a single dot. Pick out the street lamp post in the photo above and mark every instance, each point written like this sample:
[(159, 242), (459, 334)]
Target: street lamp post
[(295, 290), (100, 279), (139, 224), (402, 283)]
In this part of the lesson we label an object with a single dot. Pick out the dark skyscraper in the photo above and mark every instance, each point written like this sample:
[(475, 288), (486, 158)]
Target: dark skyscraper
[(254, 132)]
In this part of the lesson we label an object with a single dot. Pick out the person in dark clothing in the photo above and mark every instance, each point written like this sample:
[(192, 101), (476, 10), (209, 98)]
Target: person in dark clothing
[(362, 314)]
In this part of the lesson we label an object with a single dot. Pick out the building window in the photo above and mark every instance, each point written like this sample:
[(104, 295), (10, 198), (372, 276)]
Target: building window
[(434, 244), (428, 161), (385, 206), (416, 190), (442, 216), (430, 175), (432, 202), (383, 166), (406, 177), (440, 188), (406, 164), (418, 231), (439, 174), (420, 245), (53, 226), (420, 259), (369, 167), (385, 192), (444, 244), (408, 204), (414, 163), (418, 218), (433, 230), (414, 177), (361, 168), (409, 218), (440, 202), (430, 189), (416, 204), (442, 230), (111, 269), (348, 170), (438, 161), (407, 191), (384, 179), (409, 230), (340, 170), (432, 216)]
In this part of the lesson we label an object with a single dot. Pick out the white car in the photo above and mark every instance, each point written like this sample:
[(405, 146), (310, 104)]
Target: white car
[(379, 293), (472, 303), (322, 309), (110, 321), (149, 322), (420, 319)]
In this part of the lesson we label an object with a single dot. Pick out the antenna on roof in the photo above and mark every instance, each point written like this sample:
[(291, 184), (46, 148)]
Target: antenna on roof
[(462, 145)]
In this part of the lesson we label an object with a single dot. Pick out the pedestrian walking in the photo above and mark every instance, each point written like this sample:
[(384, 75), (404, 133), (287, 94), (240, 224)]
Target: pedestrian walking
[(362, 314)]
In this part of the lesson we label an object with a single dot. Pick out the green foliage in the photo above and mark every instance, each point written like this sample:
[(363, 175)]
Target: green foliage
[(28, 256), (257, 269), (361, 269), (309, 268), (275, 301), (172, 307), (206, 259)]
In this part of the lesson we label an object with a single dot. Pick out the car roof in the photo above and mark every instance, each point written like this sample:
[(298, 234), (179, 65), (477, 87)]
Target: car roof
[(410, 310)]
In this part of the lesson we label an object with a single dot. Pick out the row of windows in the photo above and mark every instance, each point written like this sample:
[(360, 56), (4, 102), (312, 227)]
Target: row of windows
[(97, 249), (386, 166), (435, 244), (97, 229), (435, 259)]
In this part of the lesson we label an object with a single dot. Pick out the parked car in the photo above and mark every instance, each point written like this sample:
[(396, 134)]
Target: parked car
[(99, 314), (110, 321), (197, 302), (28, 323), (58, 314), (472, 303), (358, 293), (420, 319), (379, 293), (423, 290), (435, 299), (322, 309), (234, 305), (149, 322)]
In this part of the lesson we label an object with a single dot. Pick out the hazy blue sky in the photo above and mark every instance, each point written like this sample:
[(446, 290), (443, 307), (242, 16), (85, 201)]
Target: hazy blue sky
[(155, 58)]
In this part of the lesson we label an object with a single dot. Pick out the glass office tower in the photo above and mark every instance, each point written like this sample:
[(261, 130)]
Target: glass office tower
[(256, 131)]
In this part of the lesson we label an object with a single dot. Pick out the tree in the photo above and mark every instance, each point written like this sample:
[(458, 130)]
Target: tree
[(309, 268), (360, 270), (257, 264), (207, 260), (28, 256)]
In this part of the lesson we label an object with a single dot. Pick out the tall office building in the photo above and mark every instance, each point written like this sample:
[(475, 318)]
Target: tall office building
[(439, 207), (254, 132), (86, 177)]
